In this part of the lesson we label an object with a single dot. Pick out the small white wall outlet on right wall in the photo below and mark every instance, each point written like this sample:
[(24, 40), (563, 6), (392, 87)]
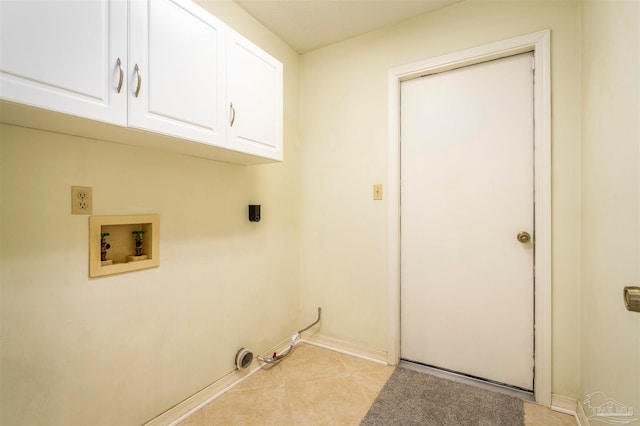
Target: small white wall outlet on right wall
[(377, 191), (81, 200)]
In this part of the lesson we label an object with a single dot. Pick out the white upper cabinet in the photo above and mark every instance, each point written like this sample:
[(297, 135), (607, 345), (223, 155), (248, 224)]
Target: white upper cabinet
[(67, 56), (255, 99), (176, 77), (166, 67)]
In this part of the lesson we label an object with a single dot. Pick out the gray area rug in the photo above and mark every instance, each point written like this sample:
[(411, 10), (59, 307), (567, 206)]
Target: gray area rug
[(413, 398)]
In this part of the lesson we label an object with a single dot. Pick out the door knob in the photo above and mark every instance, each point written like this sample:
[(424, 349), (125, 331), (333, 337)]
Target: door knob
[(524, 237), (632, 298)]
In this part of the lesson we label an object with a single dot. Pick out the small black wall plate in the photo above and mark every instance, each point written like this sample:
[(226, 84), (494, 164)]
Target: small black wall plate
[(254, 212)]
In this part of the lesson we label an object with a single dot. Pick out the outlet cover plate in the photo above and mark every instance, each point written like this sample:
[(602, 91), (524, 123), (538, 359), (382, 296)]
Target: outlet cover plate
[(81, 200)]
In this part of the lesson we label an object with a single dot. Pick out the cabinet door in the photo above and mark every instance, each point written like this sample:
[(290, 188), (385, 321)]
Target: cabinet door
[(255, 99), (63, 56), (175, 74)]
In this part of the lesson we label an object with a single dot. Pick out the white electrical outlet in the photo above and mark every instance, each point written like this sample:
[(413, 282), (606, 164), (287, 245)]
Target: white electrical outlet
[(81, 200)]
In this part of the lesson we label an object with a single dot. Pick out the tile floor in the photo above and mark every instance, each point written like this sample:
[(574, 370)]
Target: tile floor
[(316, 386)]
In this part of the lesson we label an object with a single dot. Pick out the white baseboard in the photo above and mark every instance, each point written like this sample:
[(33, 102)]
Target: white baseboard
[(346, 348), (566, 405), (583, 420), (191, 405)]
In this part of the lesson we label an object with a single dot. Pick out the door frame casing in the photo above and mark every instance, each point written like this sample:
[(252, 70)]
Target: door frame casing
[(539, 43)]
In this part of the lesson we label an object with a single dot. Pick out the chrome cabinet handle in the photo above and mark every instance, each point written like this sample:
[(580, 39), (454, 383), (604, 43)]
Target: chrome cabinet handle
[(119, 64), (233, 114), (137, 69)]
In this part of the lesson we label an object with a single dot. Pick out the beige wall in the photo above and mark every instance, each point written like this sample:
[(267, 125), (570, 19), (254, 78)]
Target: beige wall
[(343, 126), (610, 200), (122, 349)]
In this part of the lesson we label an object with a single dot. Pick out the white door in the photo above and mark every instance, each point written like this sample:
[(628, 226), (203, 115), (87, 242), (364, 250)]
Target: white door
[(255, 99), (69, 57), (466, 195), (178, 86)]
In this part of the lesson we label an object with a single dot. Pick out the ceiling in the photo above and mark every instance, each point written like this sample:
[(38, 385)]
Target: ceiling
[(309, 24)]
